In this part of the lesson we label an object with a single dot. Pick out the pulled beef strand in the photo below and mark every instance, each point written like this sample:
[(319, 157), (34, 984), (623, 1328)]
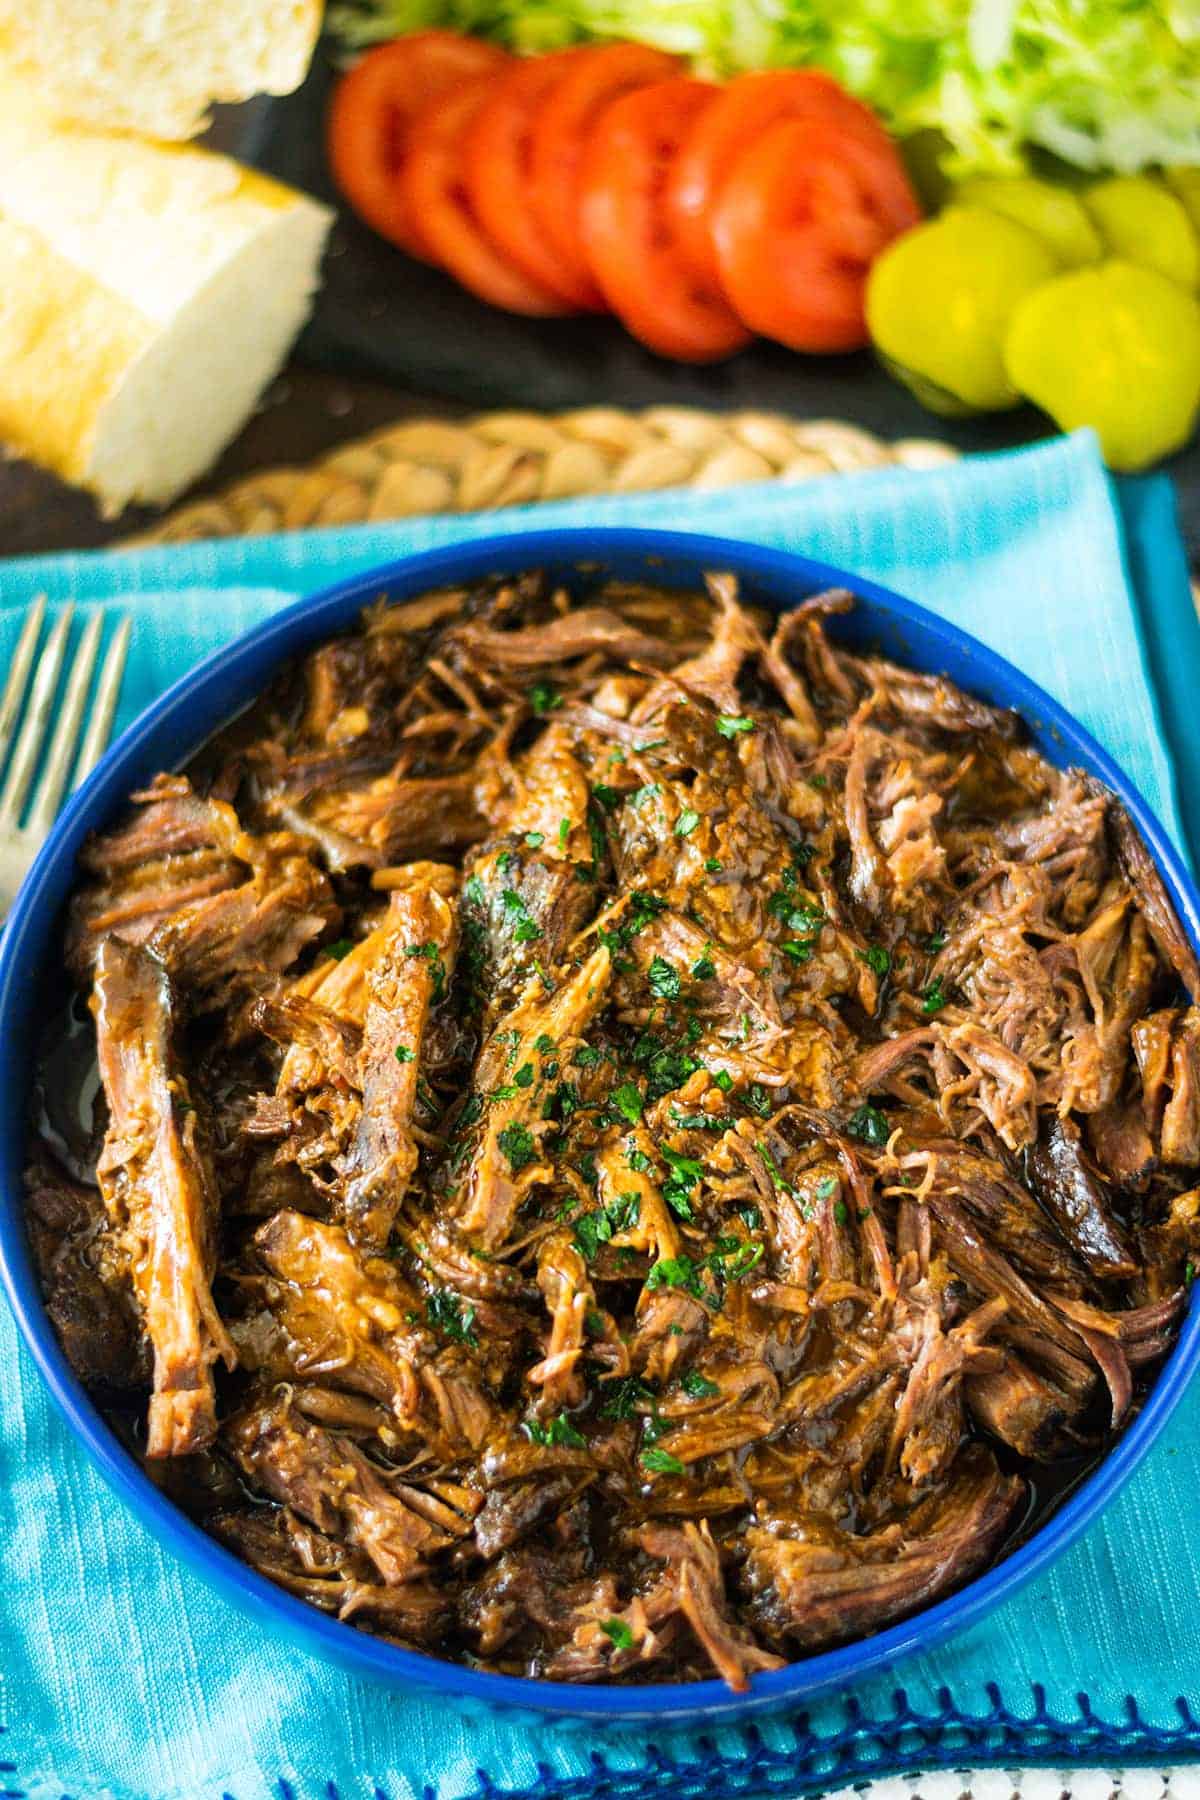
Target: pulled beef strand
[(628, 1132)]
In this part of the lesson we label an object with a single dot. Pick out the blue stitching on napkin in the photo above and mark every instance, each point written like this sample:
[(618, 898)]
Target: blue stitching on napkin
[(868, 1747), (864, 1748)]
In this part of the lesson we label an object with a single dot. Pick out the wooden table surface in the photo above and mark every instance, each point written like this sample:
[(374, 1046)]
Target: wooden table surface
[(305, 412)]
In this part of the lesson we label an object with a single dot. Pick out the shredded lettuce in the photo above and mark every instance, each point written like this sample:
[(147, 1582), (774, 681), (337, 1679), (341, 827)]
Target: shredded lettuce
[(1109, 84)]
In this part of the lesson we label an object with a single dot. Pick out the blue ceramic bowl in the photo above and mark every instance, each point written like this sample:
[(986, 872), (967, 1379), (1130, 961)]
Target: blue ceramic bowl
[(165, 736)]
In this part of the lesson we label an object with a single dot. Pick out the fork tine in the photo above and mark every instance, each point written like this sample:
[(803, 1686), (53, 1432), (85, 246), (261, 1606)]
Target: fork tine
[(99, 724), (37, 713), (57, 765), (18, 675)]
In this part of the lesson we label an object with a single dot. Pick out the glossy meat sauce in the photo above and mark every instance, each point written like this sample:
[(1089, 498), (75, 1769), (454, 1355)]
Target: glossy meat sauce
[(631, 1141)]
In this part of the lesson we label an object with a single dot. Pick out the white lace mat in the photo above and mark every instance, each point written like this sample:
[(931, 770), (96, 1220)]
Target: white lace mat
[(1033, 1784)]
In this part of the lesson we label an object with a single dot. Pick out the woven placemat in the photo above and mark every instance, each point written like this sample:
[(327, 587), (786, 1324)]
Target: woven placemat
[(499, 459)]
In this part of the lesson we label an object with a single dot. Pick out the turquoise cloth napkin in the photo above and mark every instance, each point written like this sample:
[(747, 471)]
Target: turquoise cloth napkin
[(124, 1676)]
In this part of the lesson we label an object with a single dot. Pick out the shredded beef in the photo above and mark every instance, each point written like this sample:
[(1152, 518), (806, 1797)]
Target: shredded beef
[(626, 1128)]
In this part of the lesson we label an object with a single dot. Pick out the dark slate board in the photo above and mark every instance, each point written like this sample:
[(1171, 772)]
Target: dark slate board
[(382, 314)]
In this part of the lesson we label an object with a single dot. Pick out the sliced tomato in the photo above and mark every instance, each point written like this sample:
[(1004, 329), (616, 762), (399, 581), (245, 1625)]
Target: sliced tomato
[(371, 116), (748, 107), (627, 235), (600, 75), (801, 216), (435, 192), (497, 164)]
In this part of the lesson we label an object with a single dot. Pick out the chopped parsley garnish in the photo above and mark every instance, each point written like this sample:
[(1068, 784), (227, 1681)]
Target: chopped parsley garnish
[(638, 1161), (870, 1126), (450, 1314), (628, 1101), (564, 832), (563, 1103), (758, 1099), (773, 1170), (734, 1263), (661, 1462), (730, 727), (723, 1079), (700, 1121), (934, 999), (471, 1112), (543, 697), (609, 797), (559, 1431), (642, 908), (666, 1066), (797, 951), (646, 792), (877, 958), (524, 1076), (827, 1187), (698, 1385), (544, 1043), (518, 1145), (473, 890), (339, 948), (601, 1226), (433, 956), (619, 1632), (505, 861), (686, 1172), (585, 1057), (535, 839), (797, 915), (598, 840), (937, 942), (526, 928), (841, 1213), (622, 1396), (676, 1272), (403, 1053), (713, 865), (704, 968), (728, 1260), (686, 823), (663, 979)]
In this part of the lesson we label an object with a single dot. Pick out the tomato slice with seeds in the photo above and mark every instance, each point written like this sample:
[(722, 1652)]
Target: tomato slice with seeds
[(801, 216), (371, 116), (747, 107), (627, 234), (497, 165), (600, 75), (434, 191)]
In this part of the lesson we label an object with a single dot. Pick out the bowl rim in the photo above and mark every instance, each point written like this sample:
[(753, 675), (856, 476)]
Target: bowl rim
[(288, 632)]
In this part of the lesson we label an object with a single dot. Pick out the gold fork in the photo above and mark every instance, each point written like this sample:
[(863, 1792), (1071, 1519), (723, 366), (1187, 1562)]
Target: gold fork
[(28, 708)]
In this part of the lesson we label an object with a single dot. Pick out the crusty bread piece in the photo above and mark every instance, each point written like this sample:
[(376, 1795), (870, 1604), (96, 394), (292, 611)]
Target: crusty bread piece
[(148, 293), (155, 66)]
